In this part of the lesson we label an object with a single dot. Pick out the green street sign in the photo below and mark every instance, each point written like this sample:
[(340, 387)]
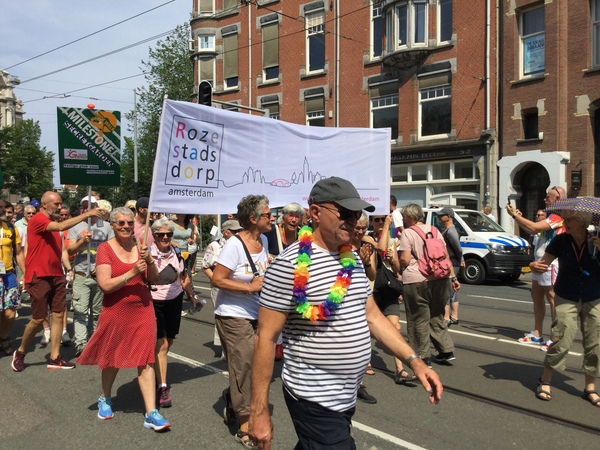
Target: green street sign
[(89, 146)]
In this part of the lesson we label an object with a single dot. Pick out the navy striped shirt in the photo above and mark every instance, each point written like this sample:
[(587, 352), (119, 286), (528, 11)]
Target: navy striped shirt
[(324, 360)]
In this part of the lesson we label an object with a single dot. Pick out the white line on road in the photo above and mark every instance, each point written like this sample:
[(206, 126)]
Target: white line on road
[(358, 425), (496, 298)]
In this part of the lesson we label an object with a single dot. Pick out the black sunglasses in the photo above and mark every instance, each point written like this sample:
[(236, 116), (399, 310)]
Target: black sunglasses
[(378, 219), (344, 214), (162, 235)]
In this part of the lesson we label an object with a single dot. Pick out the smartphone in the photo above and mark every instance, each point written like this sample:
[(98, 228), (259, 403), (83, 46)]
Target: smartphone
[(508, 200)]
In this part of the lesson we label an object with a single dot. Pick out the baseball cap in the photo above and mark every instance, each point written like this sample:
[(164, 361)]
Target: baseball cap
[(445, 212), (232, 225), (35, 203), (92, 200), (142, 202), (340, 191)]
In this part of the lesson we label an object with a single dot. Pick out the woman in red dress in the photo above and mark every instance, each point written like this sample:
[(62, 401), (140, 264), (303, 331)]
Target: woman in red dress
[(126, 333)]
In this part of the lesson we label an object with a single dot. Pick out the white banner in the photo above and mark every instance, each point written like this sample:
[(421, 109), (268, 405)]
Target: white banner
[(208, 159)]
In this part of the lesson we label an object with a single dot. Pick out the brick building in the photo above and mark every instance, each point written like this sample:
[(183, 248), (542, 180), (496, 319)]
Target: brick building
[(549, 96), (421, 67)]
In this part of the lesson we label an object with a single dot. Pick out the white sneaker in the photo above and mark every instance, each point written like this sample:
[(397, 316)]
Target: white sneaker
[(45, 338), (545, 346), (66, 339)]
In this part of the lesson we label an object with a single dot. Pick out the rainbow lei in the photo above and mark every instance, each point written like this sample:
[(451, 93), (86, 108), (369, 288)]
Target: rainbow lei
[(301, 276)]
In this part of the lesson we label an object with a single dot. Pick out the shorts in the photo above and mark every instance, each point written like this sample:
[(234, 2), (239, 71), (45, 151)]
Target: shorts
[(387, 305), (548, 278), (47, 292), (168, 317), (9, 291)]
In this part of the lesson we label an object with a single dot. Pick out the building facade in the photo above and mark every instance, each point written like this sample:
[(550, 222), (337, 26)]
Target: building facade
[(423, 68), (549, 98), (11, 107)]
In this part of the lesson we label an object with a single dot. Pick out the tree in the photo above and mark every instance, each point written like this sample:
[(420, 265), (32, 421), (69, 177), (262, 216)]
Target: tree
[(169, 71), (27, 168)]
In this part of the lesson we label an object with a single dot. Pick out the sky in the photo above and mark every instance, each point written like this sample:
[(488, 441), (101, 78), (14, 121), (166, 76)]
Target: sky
[(32, 28)]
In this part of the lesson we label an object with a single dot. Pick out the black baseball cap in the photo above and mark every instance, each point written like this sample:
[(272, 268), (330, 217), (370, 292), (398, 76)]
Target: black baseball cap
[(142, 202), (340, 191)]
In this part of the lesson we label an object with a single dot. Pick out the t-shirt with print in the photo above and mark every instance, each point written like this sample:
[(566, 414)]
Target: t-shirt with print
[(100, 234), (233, 256), (44, 249), (412, 242), (324, 360), (7, 235), (545, 237), (167, 291)]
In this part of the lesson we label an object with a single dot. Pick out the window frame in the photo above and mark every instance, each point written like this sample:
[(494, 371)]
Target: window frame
[(202, 40), (439, 11), (595, 22), (268, 66), (199, 7), (209, 61), (410, 27), (522, 42), (317, 114), (446, 93), (311, 37), (376, 18), (228, 81), (390, 99)]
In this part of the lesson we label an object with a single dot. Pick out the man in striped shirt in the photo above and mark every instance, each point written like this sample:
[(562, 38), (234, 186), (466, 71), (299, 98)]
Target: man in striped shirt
[(324, 359)]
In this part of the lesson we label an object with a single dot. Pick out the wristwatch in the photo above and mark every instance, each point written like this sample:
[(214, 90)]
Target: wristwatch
[(411, 357), (453, 279)]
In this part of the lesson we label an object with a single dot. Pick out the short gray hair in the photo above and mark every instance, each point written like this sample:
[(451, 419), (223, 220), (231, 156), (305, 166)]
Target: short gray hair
[(30, 207), (120, 210), (251, 206), (579, 216), (163, 222), (293, 208), (414, 212), (105, 205), (363, 218)]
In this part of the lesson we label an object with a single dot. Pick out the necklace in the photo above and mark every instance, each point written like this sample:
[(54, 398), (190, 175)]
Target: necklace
[(337, 291)]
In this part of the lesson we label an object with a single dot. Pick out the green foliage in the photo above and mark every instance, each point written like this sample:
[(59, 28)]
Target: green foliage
[(206, 223), (169, 72), (27, 168)]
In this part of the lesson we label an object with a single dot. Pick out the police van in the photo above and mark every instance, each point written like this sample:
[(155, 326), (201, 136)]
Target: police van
[(488, 250)]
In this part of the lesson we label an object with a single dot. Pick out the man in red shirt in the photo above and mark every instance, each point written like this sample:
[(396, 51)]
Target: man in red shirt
[(44, 277)]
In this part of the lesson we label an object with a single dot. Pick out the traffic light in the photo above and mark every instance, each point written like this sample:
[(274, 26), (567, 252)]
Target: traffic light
[(205, 93)]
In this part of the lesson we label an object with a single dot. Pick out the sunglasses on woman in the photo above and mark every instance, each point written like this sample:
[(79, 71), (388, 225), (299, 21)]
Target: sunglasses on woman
[(164, 235), (122, 223)]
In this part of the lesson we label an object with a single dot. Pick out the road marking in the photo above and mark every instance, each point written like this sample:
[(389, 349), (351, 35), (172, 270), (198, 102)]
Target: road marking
[(385, 436), (358, 425), (496, 298), (202, 287)]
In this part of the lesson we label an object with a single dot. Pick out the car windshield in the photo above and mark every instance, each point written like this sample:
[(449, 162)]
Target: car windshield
[(477, 221)]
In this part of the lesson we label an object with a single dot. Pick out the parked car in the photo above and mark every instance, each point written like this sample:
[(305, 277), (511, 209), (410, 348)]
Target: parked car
[(489, 251)]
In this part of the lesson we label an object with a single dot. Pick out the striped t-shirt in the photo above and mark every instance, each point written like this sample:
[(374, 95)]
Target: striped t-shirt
[(324, 360)]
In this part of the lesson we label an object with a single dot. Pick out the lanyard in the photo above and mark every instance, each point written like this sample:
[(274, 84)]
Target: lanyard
[(579, 255)]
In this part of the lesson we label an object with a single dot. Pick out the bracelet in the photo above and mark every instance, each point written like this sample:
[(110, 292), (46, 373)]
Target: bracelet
[(125, 278), (411, 357)]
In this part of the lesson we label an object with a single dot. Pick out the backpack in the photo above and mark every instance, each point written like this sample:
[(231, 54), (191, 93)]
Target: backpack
[(434, 263)]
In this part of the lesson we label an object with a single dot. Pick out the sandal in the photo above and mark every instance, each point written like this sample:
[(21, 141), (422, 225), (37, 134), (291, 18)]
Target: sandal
[(369, 370), (541, 393), (243, 438), (404, 377), (6, 347), (586, 396)]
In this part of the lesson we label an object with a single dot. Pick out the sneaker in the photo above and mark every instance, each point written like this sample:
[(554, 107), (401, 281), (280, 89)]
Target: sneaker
[(18, 362), (164, 397), (364, 396), (530, 338), (105, 411), (153, 420), (278, 352), (228, 412), (60, 363), (544, 347), (45, 338), (445, 358), (66, 339)]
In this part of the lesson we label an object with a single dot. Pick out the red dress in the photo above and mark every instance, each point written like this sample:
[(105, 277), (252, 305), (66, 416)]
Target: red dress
[(126, 333)]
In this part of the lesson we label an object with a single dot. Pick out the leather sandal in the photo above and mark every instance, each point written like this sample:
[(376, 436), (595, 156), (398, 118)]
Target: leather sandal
[(541, 393), (243, 438), (6, 347), (404, 377), (586, 396)]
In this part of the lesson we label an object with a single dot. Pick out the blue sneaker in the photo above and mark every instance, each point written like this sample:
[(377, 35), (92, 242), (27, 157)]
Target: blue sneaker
[(155, 421), (105, 411)]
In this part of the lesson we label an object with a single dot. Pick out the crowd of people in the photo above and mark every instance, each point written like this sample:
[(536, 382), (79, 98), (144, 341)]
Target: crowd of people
[(320, 281)]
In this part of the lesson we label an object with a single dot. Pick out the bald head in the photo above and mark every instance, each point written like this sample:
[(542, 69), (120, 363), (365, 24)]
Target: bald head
[(51, 204)]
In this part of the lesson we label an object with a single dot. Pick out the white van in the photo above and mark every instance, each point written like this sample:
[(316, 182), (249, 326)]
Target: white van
[(488, 250)]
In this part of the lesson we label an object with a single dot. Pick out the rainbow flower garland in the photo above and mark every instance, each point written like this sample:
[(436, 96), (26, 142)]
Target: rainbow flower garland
[(301, 276)]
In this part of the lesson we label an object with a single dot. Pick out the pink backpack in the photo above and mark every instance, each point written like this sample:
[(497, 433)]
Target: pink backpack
[(434, 263)]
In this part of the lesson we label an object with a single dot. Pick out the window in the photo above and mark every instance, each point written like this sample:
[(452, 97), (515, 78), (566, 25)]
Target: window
[(400, 172), (384, 106), (315, 41), (270, 47), (533, 40), (230, 5), (596, 32), (230, 57), (444, 17), (206, 42), (206, 67), (530, 124), (408, 26), (419, 172), (440, 171), (314, 101), (463, 170), (271, 102), (376, 29), (206, 6), (435, 105)]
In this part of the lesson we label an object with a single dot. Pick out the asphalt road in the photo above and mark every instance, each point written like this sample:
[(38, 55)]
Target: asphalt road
[(488, 401)]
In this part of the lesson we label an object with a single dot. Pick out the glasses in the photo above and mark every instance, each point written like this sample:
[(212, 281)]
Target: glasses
[(168, 234), (29, 213), (122, 223), (343, 213), (378, 219), (555, 189), (266, 215), (360, 228)]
